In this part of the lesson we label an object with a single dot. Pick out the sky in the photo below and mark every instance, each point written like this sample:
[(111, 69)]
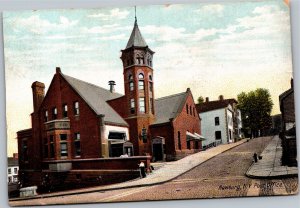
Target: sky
[(214, 49)]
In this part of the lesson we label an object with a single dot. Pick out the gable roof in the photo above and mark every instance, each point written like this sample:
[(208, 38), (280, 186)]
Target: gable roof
[(168, 107), (213, 105), (136, 38), (96, 98)]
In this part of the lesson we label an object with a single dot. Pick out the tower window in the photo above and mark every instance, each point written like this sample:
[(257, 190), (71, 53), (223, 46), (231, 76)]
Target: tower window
[(132, 106), (141, 82), (131, 84), (151, 105), (65, 110), (54, 113), (142, 104), (187, 108), (76, 108)]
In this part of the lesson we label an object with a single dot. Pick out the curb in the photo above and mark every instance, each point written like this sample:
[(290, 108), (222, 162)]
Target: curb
[(124, 187)]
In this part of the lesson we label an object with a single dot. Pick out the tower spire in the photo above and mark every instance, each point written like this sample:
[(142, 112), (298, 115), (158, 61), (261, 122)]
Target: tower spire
[(135, 15)]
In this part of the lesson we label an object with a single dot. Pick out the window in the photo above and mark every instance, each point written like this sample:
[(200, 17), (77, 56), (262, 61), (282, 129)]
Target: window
[(187, 109), (9, 170), (15, 170), (150, 86), (132, 106), (76, 108), (46, 116), (77, 145), (188, 144), (217, 121), (191, 110), (151, 105), (25, 149), (131, 84), (218, 135), (45, 148), (141, 82), (65, 110), (179, 141), (194, 112), (141, 85), (52, 146), (54, 113), (63, 145), (142, 104)]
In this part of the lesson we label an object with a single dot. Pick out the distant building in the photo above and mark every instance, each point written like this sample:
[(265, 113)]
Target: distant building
[(79, 129), (221, 121), (288, 135), (12, 169)]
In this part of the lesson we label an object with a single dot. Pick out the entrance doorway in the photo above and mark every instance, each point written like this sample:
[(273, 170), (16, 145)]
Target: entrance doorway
[(158, 149)]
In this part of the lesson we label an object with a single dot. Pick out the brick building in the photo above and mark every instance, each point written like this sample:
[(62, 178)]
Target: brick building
[(288, 134), (79, 130)]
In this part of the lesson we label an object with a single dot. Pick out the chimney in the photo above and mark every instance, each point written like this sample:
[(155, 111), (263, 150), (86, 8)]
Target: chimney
[(111, 84), (207, 99), (292, 83), (58, 70), (221, 97), (38, 94)]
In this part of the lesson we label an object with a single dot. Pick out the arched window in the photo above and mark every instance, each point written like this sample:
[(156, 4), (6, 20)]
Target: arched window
[(141, 82), (131, 83)]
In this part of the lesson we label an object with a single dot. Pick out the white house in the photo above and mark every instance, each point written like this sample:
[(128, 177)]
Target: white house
[(12, 170), (220, 121)]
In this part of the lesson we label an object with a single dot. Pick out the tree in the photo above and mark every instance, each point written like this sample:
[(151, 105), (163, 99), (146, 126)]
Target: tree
[(256, 107), (200, 100)]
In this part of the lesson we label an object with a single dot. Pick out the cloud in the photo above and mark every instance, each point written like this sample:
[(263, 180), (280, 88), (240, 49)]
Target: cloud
[(211, 9), (113, 14), (37, 25), (105, 29)]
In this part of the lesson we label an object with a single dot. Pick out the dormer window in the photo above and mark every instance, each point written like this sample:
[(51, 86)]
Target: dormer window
[(46, 116), (76, 108), (65, 110), (141, 82), (54, 113)]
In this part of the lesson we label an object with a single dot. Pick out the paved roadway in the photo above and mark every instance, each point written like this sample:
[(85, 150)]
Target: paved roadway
[(221, 176)]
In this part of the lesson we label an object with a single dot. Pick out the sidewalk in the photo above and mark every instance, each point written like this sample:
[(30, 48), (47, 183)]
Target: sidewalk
[(168, 171), (270, 164)]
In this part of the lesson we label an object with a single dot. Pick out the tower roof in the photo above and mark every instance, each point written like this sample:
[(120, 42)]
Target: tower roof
[(136, 38)]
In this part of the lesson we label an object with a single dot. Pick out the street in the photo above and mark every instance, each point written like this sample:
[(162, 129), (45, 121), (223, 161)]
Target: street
[(221, 176)]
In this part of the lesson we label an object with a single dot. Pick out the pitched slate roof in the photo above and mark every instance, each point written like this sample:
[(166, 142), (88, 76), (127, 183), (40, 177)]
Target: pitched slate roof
[(213, 105), (136, 38), (169, 107), (96, 98)]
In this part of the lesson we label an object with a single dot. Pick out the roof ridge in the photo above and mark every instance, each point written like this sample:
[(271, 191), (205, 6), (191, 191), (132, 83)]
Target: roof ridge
[(165, 97), (102, 88)]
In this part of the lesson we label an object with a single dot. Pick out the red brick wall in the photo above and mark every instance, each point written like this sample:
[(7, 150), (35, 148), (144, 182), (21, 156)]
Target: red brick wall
[(186, 122), (288, 107), (119, 105), (165, 131), (86, 123)]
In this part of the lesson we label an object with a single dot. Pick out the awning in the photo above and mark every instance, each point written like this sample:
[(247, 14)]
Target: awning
[(195, 137)]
